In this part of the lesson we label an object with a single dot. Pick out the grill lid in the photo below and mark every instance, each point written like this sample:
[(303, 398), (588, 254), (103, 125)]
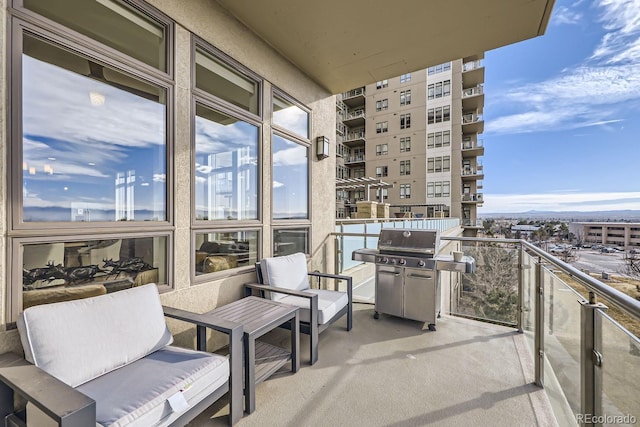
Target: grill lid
[(404, 240)]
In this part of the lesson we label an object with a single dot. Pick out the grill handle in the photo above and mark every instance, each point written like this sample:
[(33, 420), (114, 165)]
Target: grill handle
[(419, 276), (389, 272)]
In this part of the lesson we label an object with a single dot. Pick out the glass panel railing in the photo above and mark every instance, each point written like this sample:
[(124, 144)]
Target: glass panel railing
[(373, 228), (561, 343), (528, 299), (491, 293), (620, 373)]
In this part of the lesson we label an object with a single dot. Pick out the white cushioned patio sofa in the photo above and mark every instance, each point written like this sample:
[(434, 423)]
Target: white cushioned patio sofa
[(107, 361)]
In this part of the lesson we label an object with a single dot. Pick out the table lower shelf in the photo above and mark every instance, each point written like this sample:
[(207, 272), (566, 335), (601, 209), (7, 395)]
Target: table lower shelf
[(269, 358)]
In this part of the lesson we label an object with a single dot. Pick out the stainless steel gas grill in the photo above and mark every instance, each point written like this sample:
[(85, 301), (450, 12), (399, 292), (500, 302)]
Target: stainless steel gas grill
[(407, 273)]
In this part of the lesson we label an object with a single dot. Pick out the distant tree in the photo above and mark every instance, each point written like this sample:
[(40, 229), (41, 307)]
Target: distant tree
[(492, 291), (631, 264)]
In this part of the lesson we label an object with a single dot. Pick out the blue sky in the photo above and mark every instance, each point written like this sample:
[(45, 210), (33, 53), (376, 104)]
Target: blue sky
[(562, 113)]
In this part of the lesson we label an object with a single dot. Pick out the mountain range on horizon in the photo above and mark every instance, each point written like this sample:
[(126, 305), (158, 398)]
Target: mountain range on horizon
[(628, 215)]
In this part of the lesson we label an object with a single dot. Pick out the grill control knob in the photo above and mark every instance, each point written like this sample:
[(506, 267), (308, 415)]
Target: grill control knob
[(402, 262), (384, 260), (421, 263)]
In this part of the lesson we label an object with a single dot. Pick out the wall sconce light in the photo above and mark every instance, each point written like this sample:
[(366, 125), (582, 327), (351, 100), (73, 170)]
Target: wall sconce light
[(322, 147)]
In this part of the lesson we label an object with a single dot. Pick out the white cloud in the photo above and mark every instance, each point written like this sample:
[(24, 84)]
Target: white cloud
[(277, 184), (589, 94), (564, 15), (560, 201), (159, 177)]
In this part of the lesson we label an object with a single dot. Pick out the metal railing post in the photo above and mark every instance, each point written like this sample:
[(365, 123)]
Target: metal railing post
[(338, 265), (591, 359), (539, 332), (520, 304)]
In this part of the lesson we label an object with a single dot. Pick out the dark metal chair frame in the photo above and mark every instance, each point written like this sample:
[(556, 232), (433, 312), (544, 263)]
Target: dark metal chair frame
[(70, 408), (312, 328)]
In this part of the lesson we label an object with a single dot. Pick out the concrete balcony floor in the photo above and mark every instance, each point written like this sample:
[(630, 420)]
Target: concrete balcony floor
[(391, 372)]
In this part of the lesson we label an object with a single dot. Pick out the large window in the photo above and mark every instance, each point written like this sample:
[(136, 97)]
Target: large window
[(225, 250), (439, 139), (113, 23), (90, 150), (290, 179), (439, 164), (382, 127), (226, 167), (382, 149), (94, 140), (225, 82), (382, 171), (383, 104), (405, 97), (405, 78), (287, 241), (291, 117), (62, 270)]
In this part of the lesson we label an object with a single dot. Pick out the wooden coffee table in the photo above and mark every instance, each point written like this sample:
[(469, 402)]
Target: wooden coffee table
[(259, 316)]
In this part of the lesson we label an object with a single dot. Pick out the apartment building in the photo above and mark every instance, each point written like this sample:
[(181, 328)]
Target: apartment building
[(624, 234), (412, 141)]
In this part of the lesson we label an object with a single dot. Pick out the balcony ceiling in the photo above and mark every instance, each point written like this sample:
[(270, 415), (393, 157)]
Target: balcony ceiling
[(346, 44)]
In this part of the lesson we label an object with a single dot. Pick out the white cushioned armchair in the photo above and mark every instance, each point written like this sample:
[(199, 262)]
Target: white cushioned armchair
[(319, 308), (107, 361)]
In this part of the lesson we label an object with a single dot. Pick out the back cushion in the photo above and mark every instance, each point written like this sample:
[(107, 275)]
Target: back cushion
[(288, 272), (77, 341)]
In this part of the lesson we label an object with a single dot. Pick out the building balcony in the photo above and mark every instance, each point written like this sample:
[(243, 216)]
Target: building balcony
[(472, 223), (354, 159), (473, 98), (471, 174), (354, 119), (354, 97), (473, 73), (354, 138), (472, 123), (472, 198), (341, 129), (473, 148)]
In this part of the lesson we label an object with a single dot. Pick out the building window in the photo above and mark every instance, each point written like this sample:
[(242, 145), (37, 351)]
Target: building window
[(438, 139), (382, 84), (382, 127), (70, 163), (430, 189), (405, 191), (290, 117), (382, 149), (405, 78), (225, 250), (385, 193), (216, 77), (439, 114), (405, 97), (439, 68), (382, 104), (290, 180), (446, 88), (438, 164), (405, 144), (226, 166), (405, 121), (405, 208), (287, 241), (381, 171), (405, 167), (446, 188), (92, 154), (114, 24)]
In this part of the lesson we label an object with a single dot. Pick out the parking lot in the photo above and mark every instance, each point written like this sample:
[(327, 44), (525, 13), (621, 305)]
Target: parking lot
[(598, 262)]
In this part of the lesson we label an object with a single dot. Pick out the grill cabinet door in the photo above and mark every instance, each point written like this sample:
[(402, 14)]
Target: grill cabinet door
[(420, 295), (389, 290)]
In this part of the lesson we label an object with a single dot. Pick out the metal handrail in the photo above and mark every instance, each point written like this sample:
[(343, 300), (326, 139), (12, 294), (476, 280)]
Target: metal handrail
[(612, 295)]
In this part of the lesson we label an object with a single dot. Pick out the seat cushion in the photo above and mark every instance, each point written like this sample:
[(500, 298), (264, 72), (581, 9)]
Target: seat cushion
[(329, 303), (289, 272), (77, 341), (136, 394)]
